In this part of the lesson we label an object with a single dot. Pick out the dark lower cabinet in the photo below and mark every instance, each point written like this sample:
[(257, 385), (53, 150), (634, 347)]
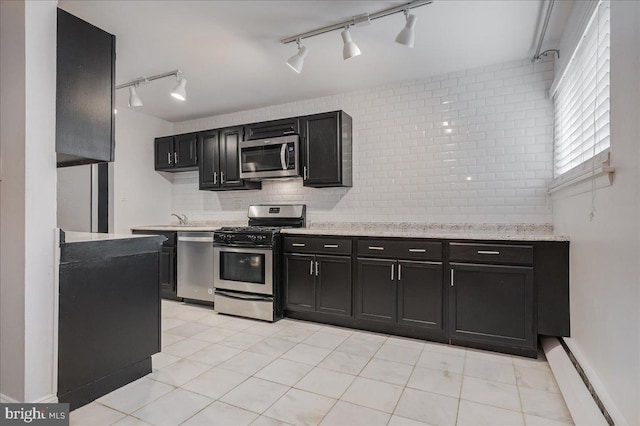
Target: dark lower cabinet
[(167, 267), (493, 306), (333, 285), (300, 282), (318, 283), (376, 295), (400, 292), (420, 297), (168, 272)]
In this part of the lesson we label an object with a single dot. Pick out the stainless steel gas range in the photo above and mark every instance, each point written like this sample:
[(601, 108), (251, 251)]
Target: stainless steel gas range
[(246, 268)]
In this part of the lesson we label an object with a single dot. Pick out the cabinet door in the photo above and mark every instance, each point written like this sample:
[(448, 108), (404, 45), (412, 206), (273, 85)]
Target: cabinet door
[(333, 285), (376, 292), (209, 159), (168, 271), (164, 153), (85, 95), (420, 294), (492, 305), (185, 152), (321, 149), (272, 129), (229, 160), (299, 280)]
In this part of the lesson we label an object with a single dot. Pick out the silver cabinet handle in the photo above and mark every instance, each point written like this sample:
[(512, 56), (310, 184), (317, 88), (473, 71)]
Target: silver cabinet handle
[(317, 269), (399, 272), (304, 173), (488, 252), (311, 267), (330, 246), (392, 265), (451, 277), (175, 157), (215, 178), (418, 250), (298, 244), (375, 248), (288, 132), (168, 158), (283, 161), (221, 178)]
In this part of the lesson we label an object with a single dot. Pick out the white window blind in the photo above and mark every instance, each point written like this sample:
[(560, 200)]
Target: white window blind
[(581, 98)]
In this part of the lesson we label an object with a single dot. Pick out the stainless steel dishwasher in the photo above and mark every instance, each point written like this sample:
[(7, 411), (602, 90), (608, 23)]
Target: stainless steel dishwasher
[(195, 266)]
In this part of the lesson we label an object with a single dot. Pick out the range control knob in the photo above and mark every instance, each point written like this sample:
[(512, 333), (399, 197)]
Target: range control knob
[(252, 237)]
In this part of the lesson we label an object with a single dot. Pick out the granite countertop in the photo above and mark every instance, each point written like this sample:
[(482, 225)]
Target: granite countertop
[(467, 231), (195, 226), (82, 237), (499, 232)]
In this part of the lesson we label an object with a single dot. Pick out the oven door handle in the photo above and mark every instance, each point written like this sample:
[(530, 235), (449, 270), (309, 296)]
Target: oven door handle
[(238, 296)]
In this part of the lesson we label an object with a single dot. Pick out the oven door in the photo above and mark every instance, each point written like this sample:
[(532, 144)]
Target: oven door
[(274, 158), (245, 269)]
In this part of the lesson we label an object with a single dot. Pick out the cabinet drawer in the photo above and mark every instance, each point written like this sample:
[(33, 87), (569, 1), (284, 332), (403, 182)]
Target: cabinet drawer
[(317, 245), (399, 249), (491, 253)]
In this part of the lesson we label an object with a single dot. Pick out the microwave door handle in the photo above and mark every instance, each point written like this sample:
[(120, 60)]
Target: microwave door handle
[(283, 151)]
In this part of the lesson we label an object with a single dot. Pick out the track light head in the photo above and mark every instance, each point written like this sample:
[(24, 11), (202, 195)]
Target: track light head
[(407, 36), (134, 99), (180, 92), (350, 49), (296, 62)]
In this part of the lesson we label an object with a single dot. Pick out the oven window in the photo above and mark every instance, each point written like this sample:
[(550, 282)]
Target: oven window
[(261, 158), (242, 267)]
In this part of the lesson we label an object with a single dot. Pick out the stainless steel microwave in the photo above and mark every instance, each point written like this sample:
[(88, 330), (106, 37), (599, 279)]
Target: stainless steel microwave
[(269, 158)]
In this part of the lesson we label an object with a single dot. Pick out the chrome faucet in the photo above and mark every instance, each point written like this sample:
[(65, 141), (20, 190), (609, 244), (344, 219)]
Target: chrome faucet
[(183, 219)]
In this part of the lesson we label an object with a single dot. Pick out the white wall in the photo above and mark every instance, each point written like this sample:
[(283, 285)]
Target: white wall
[(12, 208), (415, 144), (74, 198), (605, 283), (141, 195), (28, 201)]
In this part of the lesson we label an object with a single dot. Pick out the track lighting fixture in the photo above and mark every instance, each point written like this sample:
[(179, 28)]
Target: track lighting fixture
[(350, 49), (179, 92), (407, 36), (134, 100), (296, 62)]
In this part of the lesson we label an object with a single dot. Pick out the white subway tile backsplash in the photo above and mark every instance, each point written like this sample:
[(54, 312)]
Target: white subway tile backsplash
[(471, 146)]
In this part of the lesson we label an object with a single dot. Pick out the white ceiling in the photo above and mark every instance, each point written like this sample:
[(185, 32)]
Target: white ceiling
[(229, 51)]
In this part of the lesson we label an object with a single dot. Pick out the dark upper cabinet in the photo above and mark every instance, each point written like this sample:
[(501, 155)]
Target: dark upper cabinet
[(493, 305), (219, 163), (163, 153), (176, 153), (272, 129), (185, 151), (326, 151), (85, 92)]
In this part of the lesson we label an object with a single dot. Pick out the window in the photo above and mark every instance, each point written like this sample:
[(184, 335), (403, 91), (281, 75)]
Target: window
[(581, 100)]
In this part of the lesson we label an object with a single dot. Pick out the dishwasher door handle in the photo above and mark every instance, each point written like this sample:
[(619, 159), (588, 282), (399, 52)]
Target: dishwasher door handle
[(197, 239)]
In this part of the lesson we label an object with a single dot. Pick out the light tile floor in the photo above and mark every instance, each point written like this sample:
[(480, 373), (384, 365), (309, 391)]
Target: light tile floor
[(221, 370)]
